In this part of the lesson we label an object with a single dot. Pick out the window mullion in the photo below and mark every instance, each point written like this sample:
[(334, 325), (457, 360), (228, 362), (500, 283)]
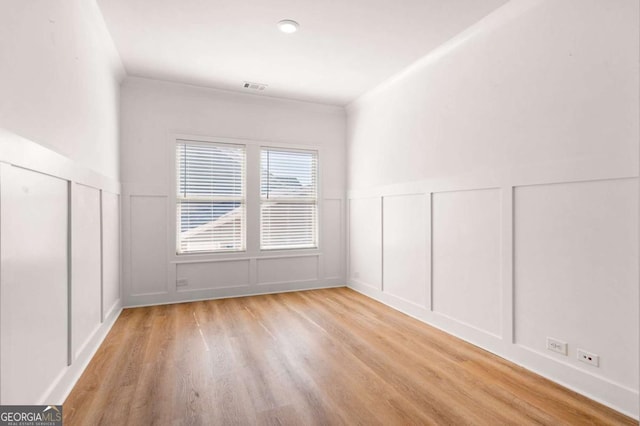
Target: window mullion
[(253, 199)]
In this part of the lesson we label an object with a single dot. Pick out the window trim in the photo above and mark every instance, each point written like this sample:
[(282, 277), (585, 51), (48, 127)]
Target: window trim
[(252, 250)]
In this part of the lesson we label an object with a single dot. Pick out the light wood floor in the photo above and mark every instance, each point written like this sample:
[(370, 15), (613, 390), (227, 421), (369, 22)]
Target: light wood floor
[(317, 357)]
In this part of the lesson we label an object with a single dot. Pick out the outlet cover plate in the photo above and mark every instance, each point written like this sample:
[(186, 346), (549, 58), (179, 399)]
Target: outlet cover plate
[(588, 357), (556, 345)]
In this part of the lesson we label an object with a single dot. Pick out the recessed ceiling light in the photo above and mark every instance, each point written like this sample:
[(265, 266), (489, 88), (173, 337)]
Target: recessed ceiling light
[(288, 26)]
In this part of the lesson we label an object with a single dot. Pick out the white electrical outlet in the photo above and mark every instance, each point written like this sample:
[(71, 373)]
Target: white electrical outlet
[(182, 283), (589, 358), (556, 345)]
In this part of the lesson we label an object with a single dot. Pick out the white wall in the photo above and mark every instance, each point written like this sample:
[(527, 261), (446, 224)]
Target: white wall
[(59, 79), (153, 113), (508, 160), (59, 195)]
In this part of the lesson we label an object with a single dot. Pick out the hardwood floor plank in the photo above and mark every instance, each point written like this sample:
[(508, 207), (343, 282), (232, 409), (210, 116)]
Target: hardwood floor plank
[(318, 357), (435, 387), (443, 369)]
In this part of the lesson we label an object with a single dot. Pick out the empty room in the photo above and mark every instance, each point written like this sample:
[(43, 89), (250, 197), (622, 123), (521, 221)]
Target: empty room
[(306, 212)]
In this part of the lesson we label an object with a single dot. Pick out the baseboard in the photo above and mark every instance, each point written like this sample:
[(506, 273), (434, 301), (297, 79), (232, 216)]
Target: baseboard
[(611, 394), (222, 293), (187, 297), (62, 386)]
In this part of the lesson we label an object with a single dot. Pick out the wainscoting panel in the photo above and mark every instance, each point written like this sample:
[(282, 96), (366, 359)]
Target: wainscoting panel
[(51, 270), (576, 250), (405, 247), (466, 257), (34, 276), (365, 241), (148, 245), (332, 238), (516, 257), (212, 275), (110, 252), (85, 279), (155, 274), (287, 269)]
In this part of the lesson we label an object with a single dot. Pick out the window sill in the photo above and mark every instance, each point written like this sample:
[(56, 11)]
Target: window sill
[(238, 256)]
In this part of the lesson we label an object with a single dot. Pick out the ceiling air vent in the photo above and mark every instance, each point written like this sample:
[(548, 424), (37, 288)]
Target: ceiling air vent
[(254, 86)]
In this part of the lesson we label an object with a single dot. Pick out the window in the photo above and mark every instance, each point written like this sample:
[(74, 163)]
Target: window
[(210, 197), (289, 199)]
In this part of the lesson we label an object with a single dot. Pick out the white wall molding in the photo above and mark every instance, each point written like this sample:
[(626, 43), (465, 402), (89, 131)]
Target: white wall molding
[(228, 292), (499, 179), (170, 273), (89, 226), (563, 370), (21, 152), (507, 255), (63, 385)]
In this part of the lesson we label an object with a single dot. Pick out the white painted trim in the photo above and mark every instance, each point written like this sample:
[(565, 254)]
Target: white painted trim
[(238, 258), (101, 207), (495, 179), (175, 137), (3, 169), (199, 290), (382, 243), (63, 385), (116, 305), (429, 246), (362, 283), (210, 294), (154, 293), (19, 152), (70, 203), (26, 154), (467, 324), (293, 282), (207, 91), (598, 388), (507, 320), (86, 343)]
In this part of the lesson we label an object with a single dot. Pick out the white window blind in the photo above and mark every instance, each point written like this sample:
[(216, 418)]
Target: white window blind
[(210, 197), (289, 199)]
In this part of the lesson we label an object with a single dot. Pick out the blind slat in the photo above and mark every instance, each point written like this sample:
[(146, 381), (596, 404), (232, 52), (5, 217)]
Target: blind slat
[(210, 197), (288, 189)]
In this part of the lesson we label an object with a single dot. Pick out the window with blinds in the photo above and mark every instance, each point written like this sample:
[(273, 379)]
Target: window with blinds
[(289, 199), (210, 197)]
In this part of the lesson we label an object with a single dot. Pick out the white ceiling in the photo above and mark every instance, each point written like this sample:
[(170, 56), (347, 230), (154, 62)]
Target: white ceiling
[(343, 47)]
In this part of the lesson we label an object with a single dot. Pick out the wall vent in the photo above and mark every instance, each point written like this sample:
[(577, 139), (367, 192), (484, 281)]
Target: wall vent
[(254, 86)]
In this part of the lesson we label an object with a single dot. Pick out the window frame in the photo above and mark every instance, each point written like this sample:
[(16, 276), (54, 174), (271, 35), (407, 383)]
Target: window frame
[(252, 250), (242, 200), (291, 200)]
